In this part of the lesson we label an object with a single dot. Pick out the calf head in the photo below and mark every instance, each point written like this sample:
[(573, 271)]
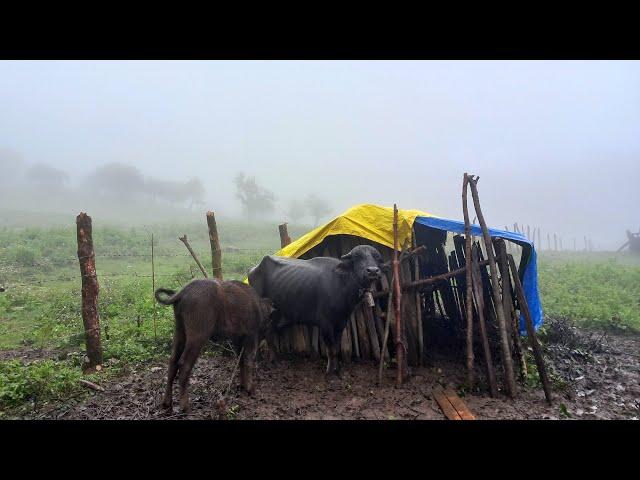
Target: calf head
[(363, 262)]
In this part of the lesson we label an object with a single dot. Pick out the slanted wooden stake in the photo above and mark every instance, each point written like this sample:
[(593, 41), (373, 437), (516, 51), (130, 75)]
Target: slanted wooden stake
[(510, 382), (153, 290), (90, 289), (531, 332), (479, 294), (216, 251), (469, 300), (184, 240), (397, 299)]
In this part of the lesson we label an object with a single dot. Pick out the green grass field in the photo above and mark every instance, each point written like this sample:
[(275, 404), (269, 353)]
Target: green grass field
[(41, 304)]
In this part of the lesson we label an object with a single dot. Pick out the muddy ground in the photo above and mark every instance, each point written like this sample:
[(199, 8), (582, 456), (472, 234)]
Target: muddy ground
[(595, 376)]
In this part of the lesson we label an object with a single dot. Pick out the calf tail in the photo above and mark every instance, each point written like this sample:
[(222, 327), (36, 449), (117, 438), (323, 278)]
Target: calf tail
[(173, 296)]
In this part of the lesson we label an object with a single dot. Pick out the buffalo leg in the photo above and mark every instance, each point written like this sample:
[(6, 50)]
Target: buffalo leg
[(186, 363), (176, 353), (332, 342)]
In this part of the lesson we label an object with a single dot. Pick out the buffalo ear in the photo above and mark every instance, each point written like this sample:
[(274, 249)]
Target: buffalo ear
[(346, 264)]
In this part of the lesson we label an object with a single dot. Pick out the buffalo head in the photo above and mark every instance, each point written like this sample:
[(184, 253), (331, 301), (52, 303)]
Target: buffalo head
[(364, 262)]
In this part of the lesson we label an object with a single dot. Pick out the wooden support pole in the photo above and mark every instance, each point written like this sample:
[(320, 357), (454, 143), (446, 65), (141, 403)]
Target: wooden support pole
[(479, 294), (387, 323), (416, 276), (508, 305), (531, 332), (397, 299), (497, 300), (216, 251), (431, 280), (153, 290), (469, 296), (184, 240), (90, 289)]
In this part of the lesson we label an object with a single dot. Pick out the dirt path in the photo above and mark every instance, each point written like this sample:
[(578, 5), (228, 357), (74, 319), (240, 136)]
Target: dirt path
[(596, 376)]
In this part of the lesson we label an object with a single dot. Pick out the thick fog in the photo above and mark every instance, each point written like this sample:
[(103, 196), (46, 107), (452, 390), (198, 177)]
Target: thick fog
[(556, 144)]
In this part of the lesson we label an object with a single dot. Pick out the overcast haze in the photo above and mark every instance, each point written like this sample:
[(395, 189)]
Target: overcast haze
[(556, 144)]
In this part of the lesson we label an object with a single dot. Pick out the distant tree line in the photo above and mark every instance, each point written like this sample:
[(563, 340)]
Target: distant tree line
[(256, 200)]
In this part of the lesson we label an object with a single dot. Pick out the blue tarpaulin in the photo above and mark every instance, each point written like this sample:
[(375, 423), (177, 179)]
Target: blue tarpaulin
[(529, 278)]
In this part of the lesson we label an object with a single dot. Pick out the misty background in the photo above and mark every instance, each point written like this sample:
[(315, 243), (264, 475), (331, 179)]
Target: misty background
[(556, 144)]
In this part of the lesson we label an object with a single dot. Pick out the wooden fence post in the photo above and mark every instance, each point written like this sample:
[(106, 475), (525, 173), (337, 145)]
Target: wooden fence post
[(216, 252), (153, 290), (284, 235), (90, 289)]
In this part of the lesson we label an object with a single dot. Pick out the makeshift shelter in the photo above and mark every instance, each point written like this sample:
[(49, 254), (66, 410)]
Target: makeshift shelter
[(443, 252)]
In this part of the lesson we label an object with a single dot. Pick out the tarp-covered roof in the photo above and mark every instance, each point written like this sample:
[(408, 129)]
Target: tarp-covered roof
[(375, 223)]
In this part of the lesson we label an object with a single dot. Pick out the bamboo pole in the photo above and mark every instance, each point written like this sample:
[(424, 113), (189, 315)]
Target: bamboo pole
[(397, 298), (478, 290), (504, 339), (469, 299), (153, 290), (216, 251), (90, 290), (184, 240), (531, 332)]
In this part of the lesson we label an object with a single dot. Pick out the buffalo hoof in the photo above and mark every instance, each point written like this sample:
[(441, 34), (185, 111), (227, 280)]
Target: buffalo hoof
[(167, 404)]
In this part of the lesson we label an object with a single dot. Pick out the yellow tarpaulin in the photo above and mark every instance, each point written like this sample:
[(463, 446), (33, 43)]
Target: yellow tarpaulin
[(367, 221)]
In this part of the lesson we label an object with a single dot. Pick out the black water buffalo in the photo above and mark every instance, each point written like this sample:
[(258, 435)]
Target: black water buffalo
[(219, 310), (322, 291)]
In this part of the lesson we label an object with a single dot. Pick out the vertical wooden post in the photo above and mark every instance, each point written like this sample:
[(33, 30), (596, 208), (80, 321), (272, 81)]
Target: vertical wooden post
[(555, 242), (497, 301), (397, 299), (216, 251), (90, 289), (531, 332), (153, 290), (469, 300), (284, 235)]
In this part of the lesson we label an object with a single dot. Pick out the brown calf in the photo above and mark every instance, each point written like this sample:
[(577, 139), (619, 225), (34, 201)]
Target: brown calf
[(220, 310)]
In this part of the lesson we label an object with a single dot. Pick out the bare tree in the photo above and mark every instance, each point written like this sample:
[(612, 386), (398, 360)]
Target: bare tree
[(255, 199), (318, 207)]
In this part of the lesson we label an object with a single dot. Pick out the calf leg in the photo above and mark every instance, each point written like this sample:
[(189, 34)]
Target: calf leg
[(176, 353), (186, 363), (248, 363)]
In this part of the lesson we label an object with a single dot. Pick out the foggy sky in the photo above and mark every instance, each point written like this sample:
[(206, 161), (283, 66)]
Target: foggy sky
[(556, 144)]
